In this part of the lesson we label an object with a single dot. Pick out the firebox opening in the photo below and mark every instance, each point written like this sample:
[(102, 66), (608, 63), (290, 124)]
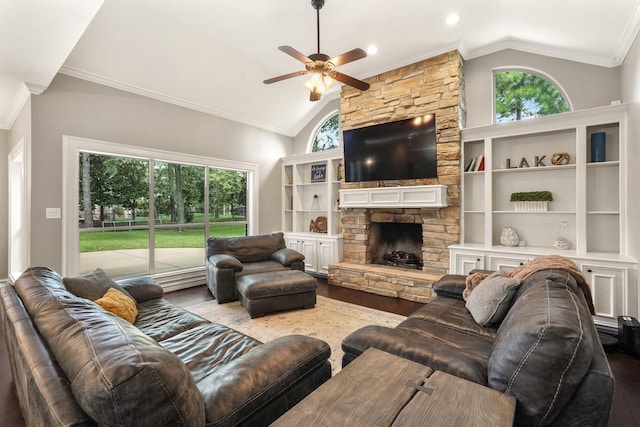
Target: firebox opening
[(396, 244)]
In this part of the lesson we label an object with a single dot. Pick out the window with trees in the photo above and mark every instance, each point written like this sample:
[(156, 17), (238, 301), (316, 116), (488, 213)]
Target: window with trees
[(327, 135), (523, 95), (153, 216)]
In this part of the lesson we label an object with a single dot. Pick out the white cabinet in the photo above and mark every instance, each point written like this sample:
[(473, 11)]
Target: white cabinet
[(310, 190), (609, 292), (612, 281), (463, 262), (310, 193), (319, 252), (506, 262), (553, 154), (589, 209)]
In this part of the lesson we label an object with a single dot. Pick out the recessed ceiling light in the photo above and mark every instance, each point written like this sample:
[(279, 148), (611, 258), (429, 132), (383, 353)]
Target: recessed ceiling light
[(372, 50), (453, 19)]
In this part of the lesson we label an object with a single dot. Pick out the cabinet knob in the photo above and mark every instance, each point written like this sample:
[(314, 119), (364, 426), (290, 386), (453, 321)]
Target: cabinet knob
[(522, 263), (589, 271), (478, 259)]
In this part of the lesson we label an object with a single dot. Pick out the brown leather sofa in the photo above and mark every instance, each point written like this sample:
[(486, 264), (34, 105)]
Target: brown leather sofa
[(76, 364), (545, 351), (229, 258)]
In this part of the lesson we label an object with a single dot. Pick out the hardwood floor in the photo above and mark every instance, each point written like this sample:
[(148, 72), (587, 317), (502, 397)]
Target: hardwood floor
[(626, 369)]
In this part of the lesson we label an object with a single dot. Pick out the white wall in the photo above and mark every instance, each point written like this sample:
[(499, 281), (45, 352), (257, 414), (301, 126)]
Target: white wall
[(4, 194), (587, 86), (631, 95), (76, 107)]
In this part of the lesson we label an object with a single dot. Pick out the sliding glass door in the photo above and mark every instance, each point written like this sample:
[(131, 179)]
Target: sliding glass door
[(150, 216)]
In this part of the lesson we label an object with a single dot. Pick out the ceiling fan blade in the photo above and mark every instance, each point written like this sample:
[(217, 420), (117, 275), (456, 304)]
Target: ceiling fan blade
[(296, 54), (345, 58), (348, 80), (314, 96), (285, 76)]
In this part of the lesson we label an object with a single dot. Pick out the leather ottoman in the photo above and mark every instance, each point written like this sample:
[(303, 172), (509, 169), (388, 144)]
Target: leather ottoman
[(263, 293)]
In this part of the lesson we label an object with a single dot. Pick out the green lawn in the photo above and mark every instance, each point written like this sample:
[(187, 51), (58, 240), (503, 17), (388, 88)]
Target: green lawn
[(95, 241)]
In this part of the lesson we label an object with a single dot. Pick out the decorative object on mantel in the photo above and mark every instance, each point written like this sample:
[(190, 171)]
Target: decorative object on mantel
[(315, 203), (560, 159), (339, 171), (509, 237), (561, 243), (598, 145), (319, 225), (531, 201)]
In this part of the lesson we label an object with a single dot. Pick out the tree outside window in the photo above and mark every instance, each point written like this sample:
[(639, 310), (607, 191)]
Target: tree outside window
[(327, 137), (522, 95)]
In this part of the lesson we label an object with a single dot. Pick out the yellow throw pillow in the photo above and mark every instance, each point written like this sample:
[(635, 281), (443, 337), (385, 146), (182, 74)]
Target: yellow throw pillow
[(119, 304)]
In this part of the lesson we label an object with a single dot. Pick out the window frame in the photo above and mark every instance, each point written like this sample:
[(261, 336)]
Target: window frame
[(524, 69), (317, 128), (72, 146)]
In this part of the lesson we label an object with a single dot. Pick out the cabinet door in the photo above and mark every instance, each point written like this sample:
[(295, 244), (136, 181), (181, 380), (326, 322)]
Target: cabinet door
[(326, 254), (506, 262), (307, 247), (608, 286), (463, 263), (292, 243)]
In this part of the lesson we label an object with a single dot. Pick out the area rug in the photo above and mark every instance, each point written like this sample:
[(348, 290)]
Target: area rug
[(331, 320)]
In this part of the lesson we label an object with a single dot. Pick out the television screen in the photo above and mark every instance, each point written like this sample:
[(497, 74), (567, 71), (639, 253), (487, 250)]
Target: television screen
[(405, 149)]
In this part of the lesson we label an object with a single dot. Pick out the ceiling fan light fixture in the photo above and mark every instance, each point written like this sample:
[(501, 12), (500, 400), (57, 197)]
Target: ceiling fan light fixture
[(321, 67), (319, 82)]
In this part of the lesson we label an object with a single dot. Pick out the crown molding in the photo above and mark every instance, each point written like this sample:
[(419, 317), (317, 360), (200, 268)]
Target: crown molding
[(628, 37), (22, 96), (106, 81)]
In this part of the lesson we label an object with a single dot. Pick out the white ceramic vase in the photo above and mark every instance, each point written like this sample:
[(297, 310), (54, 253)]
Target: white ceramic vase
[(509, 237)]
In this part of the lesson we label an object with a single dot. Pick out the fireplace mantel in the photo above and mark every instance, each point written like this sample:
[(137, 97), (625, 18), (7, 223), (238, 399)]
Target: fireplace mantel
[(418, 196)]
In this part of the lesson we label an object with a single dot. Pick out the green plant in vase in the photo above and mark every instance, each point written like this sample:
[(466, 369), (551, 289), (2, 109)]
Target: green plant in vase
[(531, 201)]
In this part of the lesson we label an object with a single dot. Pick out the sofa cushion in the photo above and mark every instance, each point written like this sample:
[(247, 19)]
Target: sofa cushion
[(286, 256), (450, 285), (543, 347), (119, 304), (142, 288), (246, 248), (92, 285), (160, 319), (109, 362), (261, 267), (491, 299)]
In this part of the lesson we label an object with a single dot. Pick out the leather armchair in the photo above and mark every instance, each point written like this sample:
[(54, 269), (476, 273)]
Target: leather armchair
[(231, 257)]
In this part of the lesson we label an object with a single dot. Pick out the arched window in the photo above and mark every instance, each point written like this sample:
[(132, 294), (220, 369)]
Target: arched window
[(326, 135), (521, 94)]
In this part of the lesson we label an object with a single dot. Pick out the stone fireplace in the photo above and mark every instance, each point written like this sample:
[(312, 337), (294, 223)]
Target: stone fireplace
[(434, 85), (396, 244)]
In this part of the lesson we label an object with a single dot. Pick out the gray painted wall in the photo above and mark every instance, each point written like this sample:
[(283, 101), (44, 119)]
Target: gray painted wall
[(302, 138), (587, 86), (4, 194), (76, 107)]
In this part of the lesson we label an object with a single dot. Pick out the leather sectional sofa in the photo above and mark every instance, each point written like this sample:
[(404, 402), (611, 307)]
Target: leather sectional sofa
[(545, 351), (76, 364)]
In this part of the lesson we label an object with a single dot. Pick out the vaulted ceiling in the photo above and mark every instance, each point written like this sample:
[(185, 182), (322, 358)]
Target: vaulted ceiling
[(212, 56)]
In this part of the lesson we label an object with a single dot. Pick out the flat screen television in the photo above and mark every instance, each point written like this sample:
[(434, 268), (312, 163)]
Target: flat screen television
[(404, 149)]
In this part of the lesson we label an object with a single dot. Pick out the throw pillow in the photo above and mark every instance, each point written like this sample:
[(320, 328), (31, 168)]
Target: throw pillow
[(92, 285), (119, 304), (491, 299)]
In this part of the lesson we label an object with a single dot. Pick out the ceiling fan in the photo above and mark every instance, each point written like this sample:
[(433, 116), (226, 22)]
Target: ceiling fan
[(321, 66)]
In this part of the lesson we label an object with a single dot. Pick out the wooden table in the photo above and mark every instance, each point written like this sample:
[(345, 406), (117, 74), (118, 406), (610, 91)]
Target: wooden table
[(381, 389)]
